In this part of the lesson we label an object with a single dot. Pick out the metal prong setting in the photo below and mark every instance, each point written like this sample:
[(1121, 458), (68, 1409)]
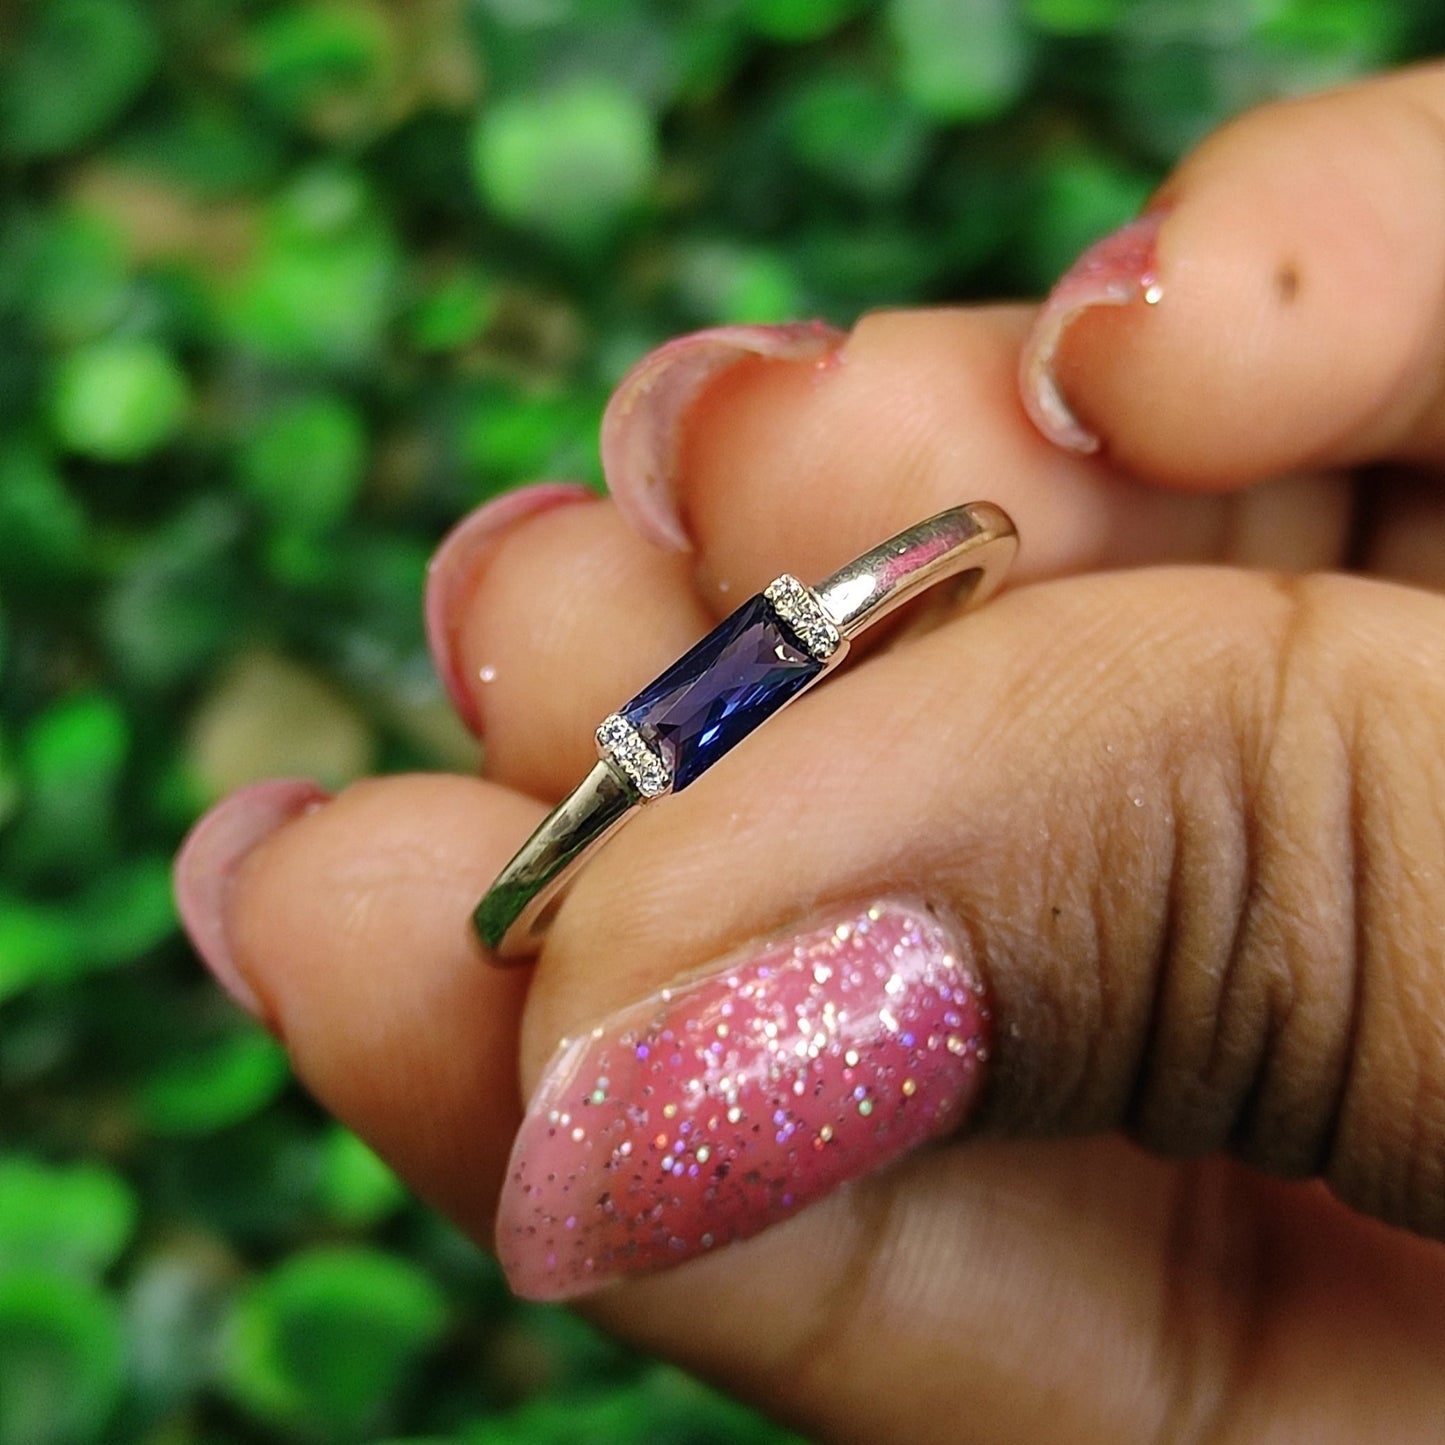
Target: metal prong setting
[(800, 611), (622, 745)]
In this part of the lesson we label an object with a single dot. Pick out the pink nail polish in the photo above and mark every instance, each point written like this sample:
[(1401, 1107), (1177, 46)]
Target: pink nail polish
[(1116, 271), (720, 1106), (454, 568), (207, 863), (642, 426)]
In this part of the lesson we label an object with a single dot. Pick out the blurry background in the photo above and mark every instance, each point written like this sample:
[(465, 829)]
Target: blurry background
[(285, 288)]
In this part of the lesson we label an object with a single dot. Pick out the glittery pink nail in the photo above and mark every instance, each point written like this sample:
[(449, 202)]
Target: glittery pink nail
[(452, 573), (1116, 271), (720, 1106), (642, 426)]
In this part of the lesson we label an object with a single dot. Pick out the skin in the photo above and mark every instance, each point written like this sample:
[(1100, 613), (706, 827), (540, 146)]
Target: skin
[(1193, 818)]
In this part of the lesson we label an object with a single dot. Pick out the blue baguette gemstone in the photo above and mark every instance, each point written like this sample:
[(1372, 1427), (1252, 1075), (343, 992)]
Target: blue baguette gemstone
[(714, 695)]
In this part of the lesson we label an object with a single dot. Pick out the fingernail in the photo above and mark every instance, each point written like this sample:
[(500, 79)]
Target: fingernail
[(715, 1108), (453, 570), (207, 862), (1117, 271), (642, 426)]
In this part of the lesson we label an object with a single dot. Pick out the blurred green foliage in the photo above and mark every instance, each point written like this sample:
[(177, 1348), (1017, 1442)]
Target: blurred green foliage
[(284, 289)]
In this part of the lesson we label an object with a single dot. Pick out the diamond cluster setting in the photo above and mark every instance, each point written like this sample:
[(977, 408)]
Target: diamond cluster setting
[(620, 743), (802, 613)]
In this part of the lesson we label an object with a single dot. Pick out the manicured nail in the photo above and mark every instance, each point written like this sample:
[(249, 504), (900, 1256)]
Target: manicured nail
[(207, 862), (642, 426), (726, 1103), (454, 569), (1117, 271)]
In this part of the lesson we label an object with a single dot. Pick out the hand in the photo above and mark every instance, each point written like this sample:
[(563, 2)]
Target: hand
[(1184, 824)]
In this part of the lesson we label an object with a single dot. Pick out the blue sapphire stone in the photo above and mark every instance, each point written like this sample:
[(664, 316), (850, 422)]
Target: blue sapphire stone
[(714, 695)]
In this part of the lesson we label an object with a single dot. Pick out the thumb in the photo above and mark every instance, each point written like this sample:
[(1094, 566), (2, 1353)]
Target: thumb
[(1184, 830), (1158, 850)]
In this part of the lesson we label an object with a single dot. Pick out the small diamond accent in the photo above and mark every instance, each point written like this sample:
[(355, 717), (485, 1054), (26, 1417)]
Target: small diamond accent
[(801, 612), (620, 743)]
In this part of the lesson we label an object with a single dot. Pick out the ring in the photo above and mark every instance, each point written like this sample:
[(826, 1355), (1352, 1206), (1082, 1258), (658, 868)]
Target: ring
[(769, 652)]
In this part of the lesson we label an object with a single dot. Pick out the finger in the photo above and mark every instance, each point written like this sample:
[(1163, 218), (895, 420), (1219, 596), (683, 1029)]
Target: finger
[(370, 957), (1279, 308), (348, 927), (1006, 1294), (801, 461), (545, 613), (1188, 854), (1188, 825)]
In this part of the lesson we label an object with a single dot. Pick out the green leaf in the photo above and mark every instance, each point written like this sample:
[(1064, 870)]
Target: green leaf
[(43, 528), (852, 131), (797, 20), (119, 400), (206, 143), (356, 1188), (251, 1187), (325, 1343), (62, 1359), (175, 1299), (1083, 195), (1362, 27), (961, 60), (304, 58), (77, 277), (10, 786), (511, 437), (304, 461), (211, 1086), (127, 911), (558, 1353), (37, 944), (664, 1404), (77, 746), (73, 71), (177, 600), (1186, 68), (72, 1219), (453, 311), (568, 163), (1075, 17), (319, 288), (721, 283), (71, 762), (1311, 44)]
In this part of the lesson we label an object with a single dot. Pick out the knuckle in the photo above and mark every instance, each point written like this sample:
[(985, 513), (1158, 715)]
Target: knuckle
[(1256, 984), (1210, 898), (1298, 1017), (1388, 1152)]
